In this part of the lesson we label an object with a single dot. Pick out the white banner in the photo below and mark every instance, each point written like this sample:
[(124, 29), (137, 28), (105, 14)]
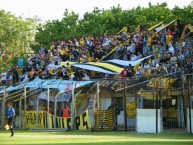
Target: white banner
[(61, 98)]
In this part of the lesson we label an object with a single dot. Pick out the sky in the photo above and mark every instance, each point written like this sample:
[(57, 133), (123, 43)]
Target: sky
[(54, 9)]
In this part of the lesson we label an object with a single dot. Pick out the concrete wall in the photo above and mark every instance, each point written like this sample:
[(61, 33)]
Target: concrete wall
[(146, 121), (120, 120), (188, 124)]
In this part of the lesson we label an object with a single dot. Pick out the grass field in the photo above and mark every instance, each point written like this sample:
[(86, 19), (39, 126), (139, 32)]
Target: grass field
[(93, 138)]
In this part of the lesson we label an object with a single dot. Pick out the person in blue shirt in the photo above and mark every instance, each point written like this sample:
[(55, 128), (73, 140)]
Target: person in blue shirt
[(20, 62), (10, 117)]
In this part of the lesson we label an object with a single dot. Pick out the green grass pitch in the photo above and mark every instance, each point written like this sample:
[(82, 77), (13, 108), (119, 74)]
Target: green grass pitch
[(93, 138)]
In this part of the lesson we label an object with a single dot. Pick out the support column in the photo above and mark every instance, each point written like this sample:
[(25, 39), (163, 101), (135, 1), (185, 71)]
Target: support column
[(25, 107), (72, 108), (98, 99), (48, 106), (55, 109), (156, 106), (3, 108), (93, 121), (124, 105), (20, 112), (98, 103), (37, 105), (189, 106)]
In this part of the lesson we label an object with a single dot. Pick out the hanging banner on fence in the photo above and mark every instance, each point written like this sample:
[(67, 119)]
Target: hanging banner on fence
[(30, 120), (82, 122), (131, 107), (162, 82), (115, 84)]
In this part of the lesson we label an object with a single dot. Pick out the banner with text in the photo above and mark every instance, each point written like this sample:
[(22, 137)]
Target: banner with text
[(82, 122)]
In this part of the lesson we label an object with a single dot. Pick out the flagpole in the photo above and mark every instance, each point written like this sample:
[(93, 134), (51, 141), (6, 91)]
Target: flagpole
[(55, 108)]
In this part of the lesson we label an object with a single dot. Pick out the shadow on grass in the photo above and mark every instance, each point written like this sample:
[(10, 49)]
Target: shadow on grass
[(120, 143)]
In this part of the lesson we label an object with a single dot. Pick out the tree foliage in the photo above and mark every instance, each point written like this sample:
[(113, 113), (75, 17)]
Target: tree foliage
[(16, 35), (101, 21)]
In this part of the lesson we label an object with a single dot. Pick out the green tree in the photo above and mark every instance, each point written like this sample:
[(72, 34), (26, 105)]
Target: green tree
[(101, 21), (185, 14), (16, 35)]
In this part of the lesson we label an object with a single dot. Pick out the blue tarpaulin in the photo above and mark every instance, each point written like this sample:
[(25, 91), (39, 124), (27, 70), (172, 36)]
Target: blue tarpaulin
[(61, 85)]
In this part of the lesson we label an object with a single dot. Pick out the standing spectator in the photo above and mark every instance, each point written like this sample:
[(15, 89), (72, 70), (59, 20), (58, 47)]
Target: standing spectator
[(173, 59), (15, 76), (138, 73), (149, 42), (176, 71), (65, 111), (168, 38), (24, 78), (9, 77), (20, 62), (133, 57), (162, 48), (65, 76), (144, 44), (71, 77), (85, 77), (163, 37), (180, 56), (129, 73), (171, 49), (146, 65), (3, 78), (78, 75), (139, 47), (132, 47), (32, 75), (123, 73)]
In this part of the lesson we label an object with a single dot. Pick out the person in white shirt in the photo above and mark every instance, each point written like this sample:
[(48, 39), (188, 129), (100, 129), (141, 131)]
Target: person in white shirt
[(25, 77), (132, 47), (50, 65), (146, 65), (72, 77), (133, 57), (85, 77), (171, 49), (3, 78)]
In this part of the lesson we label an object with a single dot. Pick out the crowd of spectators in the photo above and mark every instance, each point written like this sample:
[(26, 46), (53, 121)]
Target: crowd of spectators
[(169, 55)]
